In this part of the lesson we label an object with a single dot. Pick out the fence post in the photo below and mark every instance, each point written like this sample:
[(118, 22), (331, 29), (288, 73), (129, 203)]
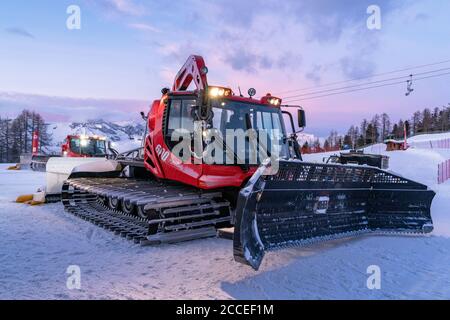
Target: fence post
[(443, 171), (448, 169)]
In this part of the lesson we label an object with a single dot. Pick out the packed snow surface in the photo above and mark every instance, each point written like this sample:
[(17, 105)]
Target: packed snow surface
[(38, 244)]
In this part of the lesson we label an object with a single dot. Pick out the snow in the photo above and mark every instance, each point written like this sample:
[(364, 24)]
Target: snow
[(430, 137), (38, 244)]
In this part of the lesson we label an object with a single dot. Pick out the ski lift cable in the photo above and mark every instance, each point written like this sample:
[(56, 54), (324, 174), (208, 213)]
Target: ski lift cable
[(362, 78), (366, 88), (365, 84)]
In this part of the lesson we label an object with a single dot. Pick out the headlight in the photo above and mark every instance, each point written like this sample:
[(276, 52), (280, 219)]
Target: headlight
[(215, 92), (274, 101), (269, 99)]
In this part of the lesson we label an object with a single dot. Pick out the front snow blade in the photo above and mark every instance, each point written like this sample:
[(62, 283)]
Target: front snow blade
[(308, 202)]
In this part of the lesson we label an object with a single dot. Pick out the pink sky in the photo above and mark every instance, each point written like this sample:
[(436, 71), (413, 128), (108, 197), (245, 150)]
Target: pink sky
[(128, 50)]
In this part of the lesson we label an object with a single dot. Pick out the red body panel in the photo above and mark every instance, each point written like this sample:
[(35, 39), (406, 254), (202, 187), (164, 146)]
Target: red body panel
[(163, 164)]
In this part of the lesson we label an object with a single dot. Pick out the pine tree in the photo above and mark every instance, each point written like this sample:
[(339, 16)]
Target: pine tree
[(326, 145), (416, 120), (427, 121), (400, 129), (360, 141), (395, 130), (371, 134), (385, 126), (352, 135), (375, 128), (363, 129), (16, 135), (407, 128), (435, 119)]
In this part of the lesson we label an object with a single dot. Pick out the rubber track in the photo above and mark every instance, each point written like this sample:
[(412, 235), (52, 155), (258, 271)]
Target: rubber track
[(180, 208), (127, 226)]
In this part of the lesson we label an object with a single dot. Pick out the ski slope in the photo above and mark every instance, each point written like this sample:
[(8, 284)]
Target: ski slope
[(39, 243)]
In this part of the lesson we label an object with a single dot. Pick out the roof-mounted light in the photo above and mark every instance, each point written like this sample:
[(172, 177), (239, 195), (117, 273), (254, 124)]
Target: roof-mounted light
[(84, 142), (273, 101), (218, 92)]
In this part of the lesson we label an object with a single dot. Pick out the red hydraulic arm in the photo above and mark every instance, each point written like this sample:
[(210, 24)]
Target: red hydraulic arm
[(193, 70)]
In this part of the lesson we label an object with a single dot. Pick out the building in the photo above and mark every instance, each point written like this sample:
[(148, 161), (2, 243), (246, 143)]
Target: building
[(395, 145)]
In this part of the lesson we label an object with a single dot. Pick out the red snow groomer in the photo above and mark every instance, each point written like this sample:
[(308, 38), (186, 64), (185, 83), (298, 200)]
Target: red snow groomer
[(84, 146), (177, 194), (74, 146)]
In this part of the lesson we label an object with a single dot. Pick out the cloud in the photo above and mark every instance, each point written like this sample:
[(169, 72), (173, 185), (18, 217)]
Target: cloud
[(356, 68), (289, 60), (324, 20), (269, 35), (422, 17), (144, 27), (70, 109), (361, 47), (242, 13), (315, 73), (20, 32), (127, 7), (177, 52), (251, 53), (243, 59)]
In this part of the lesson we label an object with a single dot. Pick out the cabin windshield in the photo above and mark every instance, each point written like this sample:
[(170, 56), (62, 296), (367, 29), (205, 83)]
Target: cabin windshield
[(88, 147), (229, 116)]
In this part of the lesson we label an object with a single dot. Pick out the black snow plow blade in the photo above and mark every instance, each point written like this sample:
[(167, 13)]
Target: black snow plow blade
[(307, 202)]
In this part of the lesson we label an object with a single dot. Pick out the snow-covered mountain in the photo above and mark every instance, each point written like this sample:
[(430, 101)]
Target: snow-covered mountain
[(123, 135), (308, 137)]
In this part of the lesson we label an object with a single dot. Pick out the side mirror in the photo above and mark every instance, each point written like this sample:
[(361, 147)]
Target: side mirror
[(111, 149), (301, 118)]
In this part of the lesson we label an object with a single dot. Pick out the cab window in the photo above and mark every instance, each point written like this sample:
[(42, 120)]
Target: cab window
[(179, 117)]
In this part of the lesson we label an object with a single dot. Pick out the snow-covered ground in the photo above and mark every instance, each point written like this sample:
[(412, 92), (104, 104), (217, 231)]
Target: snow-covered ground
[(37, 244)]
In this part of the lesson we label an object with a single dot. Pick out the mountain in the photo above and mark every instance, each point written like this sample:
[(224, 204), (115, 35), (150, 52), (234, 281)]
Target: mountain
[(124, 135), (308, 137)]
